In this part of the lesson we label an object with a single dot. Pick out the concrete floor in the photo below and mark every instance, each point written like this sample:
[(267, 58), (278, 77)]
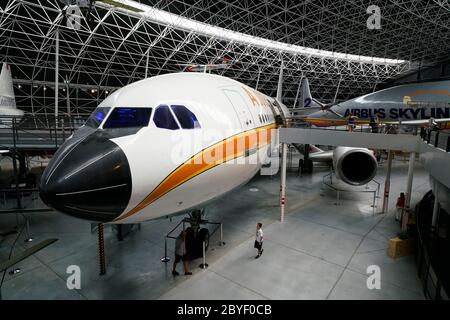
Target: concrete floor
[(322, 251)]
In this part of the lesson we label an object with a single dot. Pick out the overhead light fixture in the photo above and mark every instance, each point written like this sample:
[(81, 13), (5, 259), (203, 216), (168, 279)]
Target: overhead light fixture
[(106, 92), (45, 88), (19, 86), (166, 18)]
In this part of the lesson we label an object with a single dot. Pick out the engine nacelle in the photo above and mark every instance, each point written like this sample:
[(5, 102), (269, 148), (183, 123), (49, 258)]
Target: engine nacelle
[(355, 166)]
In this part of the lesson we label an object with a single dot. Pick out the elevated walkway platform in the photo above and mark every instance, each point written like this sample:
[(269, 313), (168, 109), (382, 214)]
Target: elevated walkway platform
[(36, 134), (435, 159)]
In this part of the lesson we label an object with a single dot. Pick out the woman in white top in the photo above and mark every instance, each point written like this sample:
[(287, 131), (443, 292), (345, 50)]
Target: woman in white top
[(259, 239), (181, 254)]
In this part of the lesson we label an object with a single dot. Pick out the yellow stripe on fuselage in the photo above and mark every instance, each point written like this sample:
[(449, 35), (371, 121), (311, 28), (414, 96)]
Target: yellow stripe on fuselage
[(228, 149)]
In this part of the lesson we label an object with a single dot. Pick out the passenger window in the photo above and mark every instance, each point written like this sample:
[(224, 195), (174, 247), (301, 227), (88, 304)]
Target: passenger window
[(164, 119), (185, 117), (124, 117)]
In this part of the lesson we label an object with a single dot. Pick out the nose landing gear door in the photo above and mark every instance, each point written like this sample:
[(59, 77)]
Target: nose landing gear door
[(241, 108)]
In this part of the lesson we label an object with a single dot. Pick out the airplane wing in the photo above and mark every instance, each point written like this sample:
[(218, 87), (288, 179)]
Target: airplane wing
[(324, 156), (326, 122), (423, 122), (316, 154)]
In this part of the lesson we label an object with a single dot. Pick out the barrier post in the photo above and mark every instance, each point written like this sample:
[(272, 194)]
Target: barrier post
[(221, 234), (204, 265), (27, 228), (436, 139), (165, 258)]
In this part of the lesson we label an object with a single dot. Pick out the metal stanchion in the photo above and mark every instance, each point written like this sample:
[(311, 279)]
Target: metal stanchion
[(436, 139), (27, 230), (337, 197), (101, 249), (204, 265), (374, 200), (221, 234), (165, 258)]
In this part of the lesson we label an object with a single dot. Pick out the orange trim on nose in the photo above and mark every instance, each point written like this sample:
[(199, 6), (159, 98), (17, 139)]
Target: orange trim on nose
[(221, 152)]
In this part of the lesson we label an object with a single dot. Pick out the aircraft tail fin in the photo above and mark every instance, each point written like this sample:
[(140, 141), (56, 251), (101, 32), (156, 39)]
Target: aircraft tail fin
[(312, 148), (7, 97), (307, 101), (306, 94)]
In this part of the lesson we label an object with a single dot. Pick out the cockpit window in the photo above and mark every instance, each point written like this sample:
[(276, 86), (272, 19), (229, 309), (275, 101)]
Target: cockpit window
[(124, 117), (164, 119), (185, 117), (96, 117)]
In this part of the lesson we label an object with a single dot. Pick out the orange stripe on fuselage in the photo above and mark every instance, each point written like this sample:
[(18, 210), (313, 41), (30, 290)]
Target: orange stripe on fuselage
[(421, 92), (221, 152), (326, 122)]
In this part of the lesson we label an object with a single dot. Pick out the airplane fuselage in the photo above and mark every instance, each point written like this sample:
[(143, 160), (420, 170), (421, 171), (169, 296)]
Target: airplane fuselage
[(416, 101), (201, 136)]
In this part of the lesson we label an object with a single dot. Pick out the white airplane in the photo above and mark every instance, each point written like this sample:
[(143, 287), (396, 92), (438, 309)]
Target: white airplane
[(8, 109), (412, 104), (166, 145)]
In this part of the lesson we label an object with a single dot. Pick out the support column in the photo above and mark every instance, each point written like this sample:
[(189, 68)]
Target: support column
[(409, 183), (101, 249), (387, 183), (283, 180), (434, 220), (68, 98), (298, 91), (56, 73), (257, 80), (146, 64)]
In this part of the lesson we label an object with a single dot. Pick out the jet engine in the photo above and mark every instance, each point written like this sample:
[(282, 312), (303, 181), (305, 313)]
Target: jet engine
[(355, 166)]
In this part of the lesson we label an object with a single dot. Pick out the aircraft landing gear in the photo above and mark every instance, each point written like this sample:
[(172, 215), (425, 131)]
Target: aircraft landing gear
[(197, 238), (305, 166), (196, 235)]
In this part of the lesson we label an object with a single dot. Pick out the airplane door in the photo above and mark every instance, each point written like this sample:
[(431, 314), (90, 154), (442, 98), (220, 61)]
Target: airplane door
[(241, 108)]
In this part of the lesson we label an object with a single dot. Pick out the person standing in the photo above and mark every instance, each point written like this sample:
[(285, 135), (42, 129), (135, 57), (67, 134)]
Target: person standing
[(378, 121), (259, 239), (400, 205), (181, 254), (351, 122), (374, 125)]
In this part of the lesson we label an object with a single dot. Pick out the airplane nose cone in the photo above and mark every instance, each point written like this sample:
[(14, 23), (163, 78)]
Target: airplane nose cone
[(90, 179)]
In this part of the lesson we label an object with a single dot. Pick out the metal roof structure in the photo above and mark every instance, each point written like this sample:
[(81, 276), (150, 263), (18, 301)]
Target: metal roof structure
[(120, 41)]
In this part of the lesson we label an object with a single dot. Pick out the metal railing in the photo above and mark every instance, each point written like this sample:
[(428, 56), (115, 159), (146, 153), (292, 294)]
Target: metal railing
[(375, 192), (37, 132), (439, 138), (218, 226), (432, 282)]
